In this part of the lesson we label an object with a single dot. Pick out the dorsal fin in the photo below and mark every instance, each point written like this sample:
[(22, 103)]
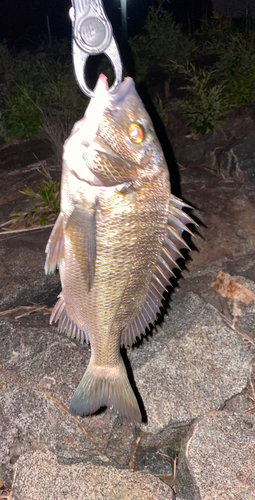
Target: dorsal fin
[(162, 272)]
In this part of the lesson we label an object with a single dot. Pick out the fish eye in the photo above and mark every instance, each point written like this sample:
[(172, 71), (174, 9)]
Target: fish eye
[(136, 133)]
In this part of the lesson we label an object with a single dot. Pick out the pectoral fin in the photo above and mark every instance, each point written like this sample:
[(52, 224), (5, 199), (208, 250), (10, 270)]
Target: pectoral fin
[(55, 248), (81, 230)]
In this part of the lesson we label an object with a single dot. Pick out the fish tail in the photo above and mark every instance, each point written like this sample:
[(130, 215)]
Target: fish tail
[(105, 386)]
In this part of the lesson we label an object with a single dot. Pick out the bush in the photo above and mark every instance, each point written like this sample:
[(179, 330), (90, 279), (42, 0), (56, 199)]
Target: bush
[(226, 82), (206, 105), (214, 35), (21, 117), (215, 67), (40, 93), (48, 202), (161, 42), (237, 67)]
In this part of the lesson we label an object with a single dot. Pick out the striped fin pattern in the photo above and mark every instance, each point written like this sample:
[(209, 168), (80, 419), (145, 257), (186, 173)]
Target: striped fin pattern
[(55, 248), (65, 324), (163, 271)]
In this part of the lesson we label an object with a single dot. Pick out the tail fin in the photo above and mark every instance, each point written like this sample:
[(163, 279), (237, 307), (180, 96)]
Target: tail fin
[(105, 386)]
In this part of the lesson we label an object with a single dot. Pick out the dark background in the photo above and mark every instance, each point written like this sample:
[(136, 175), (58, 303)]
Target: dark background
[(23, 23)]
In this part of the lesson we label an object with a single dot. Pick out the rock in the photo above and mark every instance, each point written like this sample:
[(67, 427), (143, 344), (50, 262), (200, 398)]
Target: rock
[(239, 404), (194, 363), (240, 124), (238, 160), (39, 476), (39, 372), (18, 156), (226, 213), (239, 295), (22, 254), (23, 280), (232, 296), (188, 150), (191, 366), (217, 460), (228, 150), (156, 452)]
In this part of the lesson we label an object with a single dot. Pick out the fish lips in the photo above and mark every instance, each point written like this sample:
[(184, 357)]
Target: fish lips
[(123, 91), (93, 181)]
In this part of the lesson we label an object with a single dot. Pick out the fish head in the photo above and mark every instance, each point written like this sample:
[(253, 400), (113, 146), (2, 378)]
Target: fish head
[(126, 148), (118, 140)]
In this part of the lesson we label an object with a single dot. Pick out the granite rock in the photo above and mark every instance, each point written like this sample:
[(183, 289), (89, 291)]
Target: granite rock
[(191, 366), (39, 477), (23, 280), (238, 160), (217, 459)]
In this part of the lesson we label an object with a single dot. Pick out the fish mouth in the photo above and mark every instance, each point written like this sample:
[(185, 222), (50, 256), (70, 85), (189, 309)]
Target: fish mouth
[(124, 89), (104, 150), (122, 92), (94, 181), (119, 94)]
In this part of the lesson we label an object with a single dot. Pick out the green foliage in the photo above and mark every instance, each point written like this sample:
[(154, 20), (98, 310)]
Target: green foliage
[(16, 68), (215, 34), (237, 67), (206, 105), (6, 59), (21, 118), (223, 81), (161, 41), (234, 53), (61, 101), (40, 93), (48, 197)]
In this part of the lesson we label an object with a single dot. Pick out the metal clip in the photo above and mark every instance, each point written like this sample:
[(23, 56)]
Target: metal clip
[(92, 35)]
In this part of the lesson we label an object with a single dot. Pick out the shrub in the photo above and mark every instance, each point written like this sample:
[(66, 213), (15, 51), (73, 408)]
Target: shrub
[(21, 117), (48, 201), (206, 105), (237, 67), (161, 41), (214, 35), (40, 93)]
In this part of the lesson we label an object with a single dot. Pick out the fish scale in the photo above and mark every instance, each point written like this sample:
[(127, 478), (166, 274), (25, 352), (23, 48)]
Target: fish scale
[(112, 273), (148, 247), (115, 241)]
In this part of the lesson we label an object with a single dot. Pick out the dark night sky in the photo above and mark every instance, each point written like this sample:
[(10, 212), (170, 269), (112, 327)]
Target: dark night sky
[(23, 23)]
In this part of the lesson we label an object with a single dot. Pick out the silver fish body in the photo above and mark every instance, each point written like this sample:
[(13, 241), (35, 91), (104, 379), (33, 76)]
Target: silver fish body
[(115, 241)]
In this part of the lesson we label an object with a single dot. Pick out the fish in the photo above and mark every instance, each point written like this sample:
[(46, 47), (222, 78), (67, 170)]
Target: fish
[(116, 241)]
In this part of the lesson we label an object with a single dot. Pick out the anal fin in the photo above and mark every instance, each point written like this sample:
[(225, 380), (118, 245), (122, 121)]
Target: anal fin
[(65, 323)]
